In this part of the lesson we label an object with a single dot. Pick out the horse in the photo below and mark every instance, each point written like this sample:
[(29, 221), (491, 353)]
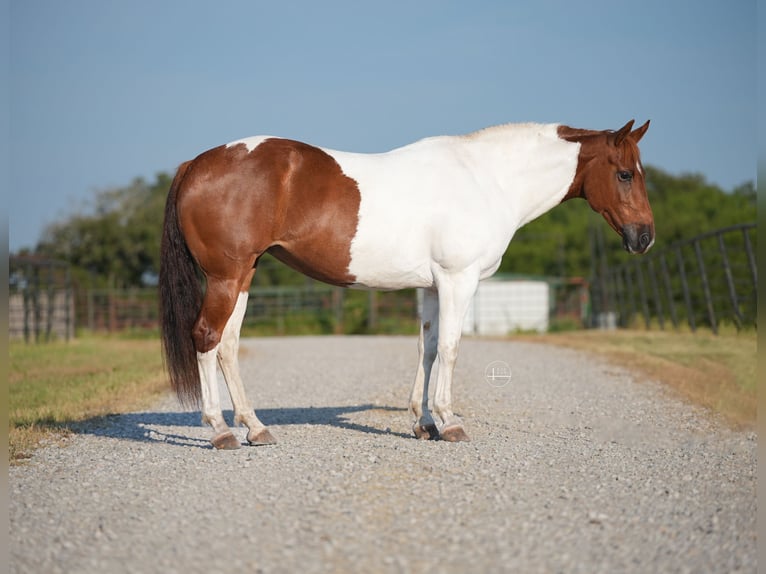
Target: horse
[(437, 214)]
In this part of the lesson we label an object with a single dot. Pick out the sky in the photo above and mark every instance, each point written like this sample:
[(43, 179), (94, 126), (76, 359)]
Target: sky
[(104, 91)]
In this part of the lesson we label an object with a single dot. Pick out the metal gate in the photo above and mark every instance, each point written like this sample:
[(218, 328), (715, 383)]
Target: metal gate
[(704, 281)]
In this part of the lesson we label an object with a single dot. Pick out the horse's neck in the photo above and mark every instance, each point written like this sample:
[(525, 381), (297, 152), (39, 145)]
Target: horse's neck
[(529, 163)]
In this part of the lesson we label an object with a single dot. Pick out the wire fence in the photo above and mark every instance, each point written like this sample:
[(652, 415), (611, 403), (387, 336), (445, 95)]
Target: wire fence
[(45, 304), (312, 309), (706, 281)]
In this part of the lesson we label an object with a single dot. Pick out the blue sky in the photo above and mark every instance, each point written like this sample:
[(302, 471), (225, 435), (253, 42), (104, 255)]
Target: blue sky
[(103, 91)]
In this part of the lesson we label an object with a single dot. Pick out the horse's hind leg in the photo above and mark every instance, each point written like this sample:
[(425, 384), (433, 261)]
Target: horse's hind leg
[(217, 307), (424, 426), (228, 350)]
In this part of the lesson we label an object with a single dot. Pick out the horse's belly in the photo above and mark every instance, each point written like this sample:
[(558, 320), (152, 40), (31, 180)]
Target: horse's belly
[(386, 265), (389, 254)]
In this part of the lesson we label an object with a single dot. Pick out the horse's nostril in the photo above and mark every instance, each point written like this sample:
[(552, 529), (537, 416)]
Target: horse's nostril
[(644, 240)]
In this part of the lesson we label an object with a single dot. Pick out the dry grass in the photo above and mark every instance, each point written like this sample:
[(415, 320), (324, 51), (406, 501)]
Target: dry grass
[(52, 386), (715, 371)]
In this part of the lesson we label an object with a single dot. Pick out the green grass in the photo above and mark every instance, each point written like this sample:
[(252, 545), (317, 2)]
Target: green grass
[(52, 386)]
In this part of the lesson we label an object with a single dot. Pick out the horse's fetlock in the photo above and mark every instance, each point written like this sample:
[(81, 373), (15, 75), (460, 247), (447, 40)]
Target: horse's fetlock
[(241, 419)]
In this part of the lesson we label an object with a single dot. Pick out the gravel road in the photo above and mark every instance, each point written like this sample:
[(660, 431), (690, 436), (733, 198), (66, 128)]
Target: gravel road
[(574, 466)]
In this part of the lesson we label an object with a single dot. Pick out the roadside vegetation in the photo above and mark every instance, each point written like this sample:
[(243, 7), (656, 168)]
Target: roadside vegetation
[(57, 385), (715, 371)]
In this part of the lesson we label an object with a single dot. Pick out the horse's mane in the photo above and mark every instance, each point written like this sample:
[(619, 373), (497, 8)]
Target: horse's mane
[(499, 128)]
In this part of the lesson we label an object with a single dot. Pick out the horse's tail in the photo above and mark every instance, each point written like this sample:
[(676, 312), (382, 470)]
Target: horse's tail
[(180, 302)]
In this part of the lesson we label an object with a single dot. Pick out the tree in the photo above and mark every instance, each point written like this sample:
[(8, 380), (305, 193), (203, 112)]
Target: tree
[(116, 241)]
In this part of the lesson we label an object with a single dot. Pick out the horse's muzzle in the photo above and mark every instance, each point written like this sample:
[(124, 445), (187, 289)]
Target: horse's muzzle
[(637, 238)]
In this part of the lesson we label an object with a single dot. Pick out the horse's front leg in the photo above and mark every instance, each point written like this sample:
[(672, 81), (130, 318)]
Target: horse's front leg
[(424, 425), (455, 293)]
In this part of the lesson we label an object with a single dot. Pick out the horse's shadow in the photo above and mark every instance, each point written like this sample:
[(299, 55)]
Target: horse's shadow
[(162, 427)]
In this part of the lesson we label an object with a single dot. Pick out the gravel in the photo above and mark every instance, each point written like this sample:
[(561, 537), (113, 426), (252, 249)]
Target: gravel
[(574, 466)]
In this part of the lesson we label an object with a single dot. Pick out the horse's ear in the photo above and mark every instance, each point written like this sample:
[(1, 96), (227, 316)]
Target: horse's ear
[(638, 133), (622, 133)]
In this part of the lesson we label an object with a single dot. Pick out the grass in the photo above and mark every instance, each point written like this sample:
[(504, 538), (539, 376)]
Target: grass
[(715, 371), (54, 386)]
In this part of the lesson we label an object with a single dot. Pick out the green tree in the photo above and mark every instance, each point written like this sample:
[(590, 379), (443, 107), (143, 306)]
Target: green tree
[(116, 241)]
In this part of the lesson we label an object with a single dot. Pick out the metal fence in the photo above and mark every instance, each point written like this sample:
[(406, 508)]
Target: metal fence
[(315, 308), (40, 300), (706, 281)]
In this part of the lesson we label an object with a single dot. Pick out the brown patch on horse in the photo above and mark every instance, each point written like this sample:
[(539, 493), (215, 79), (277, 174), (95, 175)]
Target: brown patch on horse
[(285, 197)]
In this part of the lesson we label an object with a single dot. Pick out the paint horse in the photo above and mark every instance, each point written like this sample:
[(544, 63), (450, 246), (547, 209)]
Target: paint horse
[(436, 214)]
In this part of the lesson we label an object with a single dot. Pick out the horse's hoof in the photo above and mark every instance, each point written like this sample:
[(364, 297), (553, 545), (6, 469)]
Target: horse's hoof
[(425, 432), (226, 441), (454, 433), (261, 438)]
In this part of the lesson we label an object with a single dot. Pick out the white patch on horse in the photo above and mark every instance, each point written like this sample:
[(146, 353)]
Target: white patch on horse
[(452, 202), (638, 168), (250, 143)]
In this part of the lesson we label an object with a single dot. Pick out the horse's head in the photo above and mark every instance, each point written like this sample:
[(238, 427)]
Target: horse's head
[(611, 178)]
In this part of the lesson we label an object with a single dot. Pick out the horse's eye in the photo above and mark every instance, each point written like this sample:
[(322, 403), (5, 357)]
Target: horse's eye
[(625, 175)]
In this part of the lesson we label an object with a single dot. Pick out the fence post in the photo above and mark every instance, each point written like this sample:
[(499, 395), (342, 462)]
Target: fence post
[(656, 293), (705, 287), (750, 259), (668, 290), (642, 293), (685, 288), (49, 316), (618, 302), (36, 303), (730, 282), (26, 296), (67, 303), (631, 293)]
